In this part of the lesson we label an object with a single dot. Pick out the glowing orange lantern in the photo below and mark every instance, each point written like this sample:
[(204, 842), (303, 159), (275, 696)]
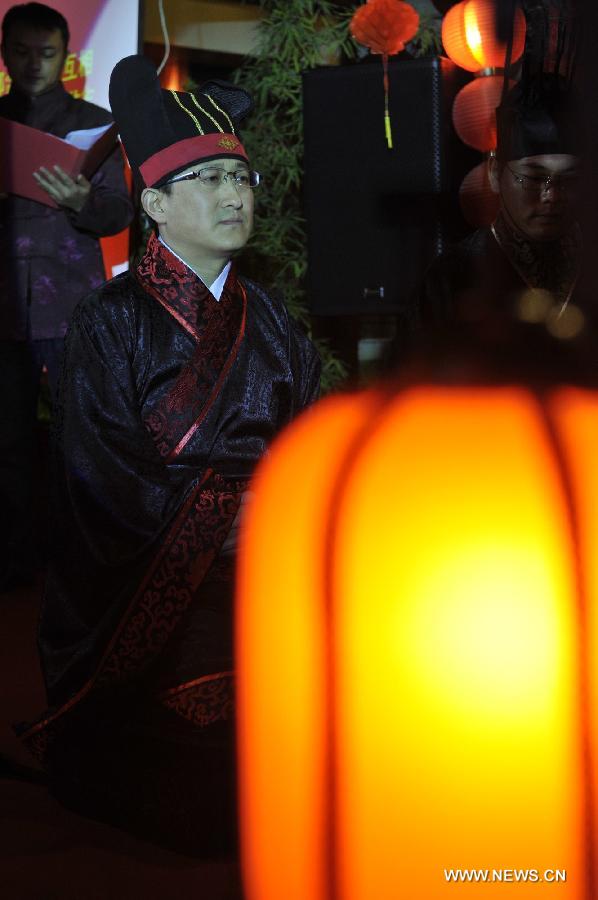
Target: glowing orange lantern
[(469, 35), (417, 647), (454, 39), (479, 204), (474, 112)]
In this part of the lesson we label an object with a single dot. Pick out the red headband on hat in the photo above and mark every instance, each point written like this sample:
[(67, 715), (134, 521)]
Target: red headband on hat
[(188, 151)]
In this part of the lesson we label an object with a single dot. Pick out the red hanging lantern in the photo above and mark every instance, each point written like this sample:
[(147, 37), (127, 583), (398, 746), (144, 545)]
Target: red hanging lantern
[(385, 26), (469, 35), (474, 112), (453, 39), (418, 650), (479, 204)]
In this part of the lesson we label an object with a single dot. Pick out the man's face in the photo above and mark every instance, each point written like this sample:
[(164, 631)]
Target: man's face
[(206, 224), (538, 193), (34, 58)]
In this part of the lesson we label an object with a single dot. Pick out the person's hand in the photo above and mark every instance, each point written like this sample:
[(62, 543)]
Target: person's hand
[(71, 193)]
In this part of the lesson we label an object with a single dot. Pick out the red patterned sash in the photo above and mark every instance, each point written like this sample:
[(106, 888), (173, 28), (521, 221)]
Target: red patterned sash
[(153, 613)]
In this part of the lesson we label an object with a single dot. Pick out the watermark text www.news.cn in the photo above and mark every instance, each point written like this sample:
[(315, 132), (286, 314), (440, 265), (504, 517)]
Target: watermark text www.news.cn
[(507, 876)]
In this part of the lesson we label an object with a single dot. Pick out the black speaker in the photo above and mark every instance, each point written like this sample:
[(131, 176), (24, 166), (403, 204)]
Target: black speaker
[(376, 217)]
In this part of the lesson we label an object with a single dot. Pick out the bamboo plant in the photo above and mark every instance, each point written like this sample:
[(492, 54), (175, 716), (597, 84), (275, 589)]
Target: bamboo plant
[(293, 36)]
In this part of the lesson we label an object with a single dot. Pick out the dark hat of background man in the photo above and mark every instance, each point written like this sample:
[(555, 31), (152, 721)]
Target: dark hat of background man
[(541, 113), (164, 131), (534, 119)]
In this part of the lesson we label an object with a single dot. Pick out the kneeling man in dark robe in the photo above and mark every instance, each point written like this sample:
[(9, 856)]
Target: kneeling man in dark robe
[(525, 266), (177, 377)]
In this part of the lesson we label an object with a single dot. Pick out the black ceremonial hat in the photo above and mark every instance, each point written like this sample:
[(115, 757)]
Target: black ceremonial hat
[(534, 119), (541, 113), (165, 131)]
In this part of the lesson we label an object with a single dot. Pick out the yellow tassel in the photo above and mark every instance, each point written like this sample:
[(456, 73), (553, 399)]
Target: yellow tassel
[(386, 83), (387, 130)]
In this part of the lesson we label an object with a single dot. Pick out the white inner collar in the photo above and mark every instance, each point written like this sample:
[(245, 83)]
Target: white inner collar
[(217, 286)]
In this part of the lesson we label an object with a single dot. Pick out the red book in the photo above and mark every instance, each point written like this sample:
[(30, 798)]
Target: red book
[(23, 150)]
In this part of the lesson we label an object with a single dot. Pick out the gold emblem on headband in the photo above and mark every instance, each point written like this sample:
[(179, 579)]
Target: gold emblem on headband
[(228, 143)]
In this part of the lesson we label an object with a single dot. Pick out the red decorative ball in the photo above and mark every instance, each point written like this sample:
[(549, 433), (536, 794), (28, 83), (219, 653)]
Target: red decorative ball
[(384, 26), (479, 203)]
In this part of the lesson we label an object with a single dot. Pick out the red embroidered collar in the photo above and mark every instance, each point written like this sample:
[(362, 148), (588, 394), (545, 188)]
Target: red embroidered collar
[(178, 288), (217, 328)]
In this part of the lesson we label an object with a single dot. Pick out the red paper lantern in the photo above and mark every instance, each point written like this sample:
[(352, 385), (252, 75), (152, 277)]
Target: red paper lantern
[(453, 39), (478, 201), (384, 26), (474, 112), (469, 37)]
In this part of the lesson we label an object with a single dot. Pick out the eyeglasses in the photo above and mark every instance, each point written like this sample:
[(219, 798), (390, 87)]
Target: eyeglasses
[(540, 184), (212, 177)]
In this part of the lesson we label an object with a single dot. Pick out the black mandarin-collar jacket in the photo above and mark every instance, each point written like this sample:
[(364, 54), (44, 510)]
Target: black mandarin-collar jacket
[(50, 258)]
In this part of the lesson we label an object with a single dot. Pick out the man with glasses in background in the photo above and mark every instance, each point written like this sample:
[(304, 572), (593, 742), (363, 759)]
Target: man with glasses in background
[(525, 266), (177, 377)]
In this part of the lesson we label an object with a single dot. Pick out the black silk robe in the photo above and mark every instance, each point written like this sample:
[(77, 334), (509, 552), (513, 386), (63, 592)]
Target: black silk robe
[(503, 305), (487, 273), (168, 400)]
